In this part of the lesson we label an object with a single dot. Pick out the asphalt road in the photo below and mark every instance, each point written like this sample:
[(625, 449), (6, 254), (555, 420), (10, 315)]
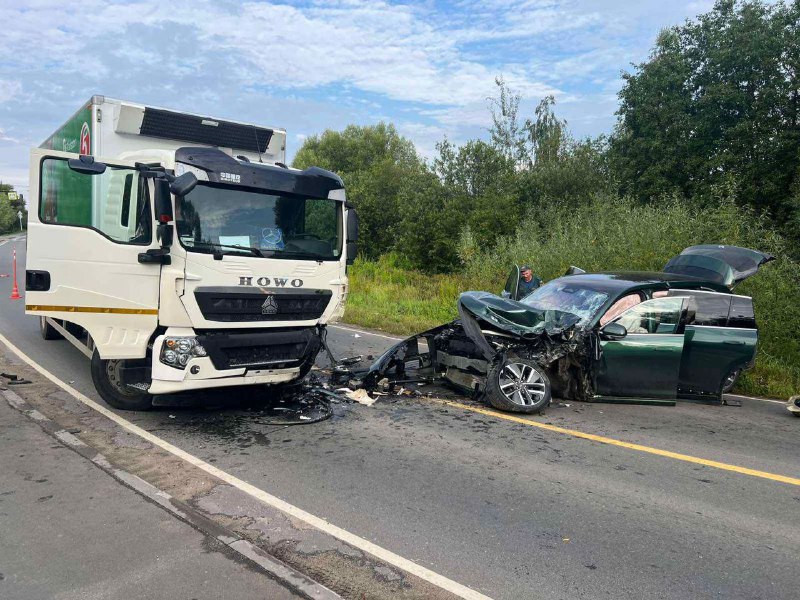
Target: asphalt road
[(511, 510)]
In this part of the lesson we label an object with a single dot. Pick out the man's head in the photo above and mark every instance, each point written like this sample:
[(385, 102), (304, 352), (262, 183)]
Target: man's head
[(526, 273)]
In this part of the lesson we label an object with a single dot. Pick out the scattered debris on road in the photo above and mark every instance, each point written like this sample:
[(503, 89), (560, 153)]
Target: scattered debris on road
[(14, 379)]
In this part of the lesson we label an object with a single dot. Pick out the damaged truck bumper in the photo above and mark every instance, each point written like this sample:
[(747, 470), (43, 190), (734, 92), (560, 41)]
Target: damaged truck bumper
[(184, 360)]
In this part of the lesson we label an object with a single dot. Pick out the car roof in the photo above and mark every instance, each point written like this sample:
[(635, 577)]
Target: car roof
[(622, 280)]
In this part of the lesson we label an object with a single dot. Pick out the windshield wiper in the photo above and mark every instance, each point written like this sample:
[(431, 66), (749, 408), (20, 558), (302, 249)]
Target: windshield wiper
[(253, 250), (298, 255)]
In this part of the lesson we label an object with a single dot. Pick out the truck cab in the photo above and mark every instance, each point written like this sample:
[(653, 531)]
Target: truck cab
[(186, 268)]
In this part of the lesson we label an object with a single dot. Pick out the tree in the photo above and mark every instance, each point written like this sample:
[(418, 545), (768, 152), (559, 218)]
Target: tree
[(507, 133), (716, 103), (377, 165), (9, 209)]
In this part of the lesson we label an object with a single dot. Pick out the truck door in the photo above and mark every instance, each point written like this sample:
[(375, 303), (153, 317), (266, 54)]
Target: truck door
[(85, 235), (642, 358)]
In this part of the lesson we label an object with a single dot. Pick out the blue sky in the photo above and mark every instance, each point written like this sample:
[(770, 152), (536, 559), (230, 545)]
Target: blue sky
[(308, 66)]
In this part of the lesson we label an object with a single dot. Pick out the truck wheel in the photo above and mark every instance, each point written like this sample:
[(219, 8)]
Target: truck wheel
[(730, 381), (518, 385), (108, 382), (48, 331)]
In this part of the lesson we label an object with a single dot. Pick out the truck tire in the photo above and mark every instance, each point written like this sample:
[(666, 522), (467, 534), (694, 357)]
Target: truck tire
[(48, 331), (518, 385), (107, 382)]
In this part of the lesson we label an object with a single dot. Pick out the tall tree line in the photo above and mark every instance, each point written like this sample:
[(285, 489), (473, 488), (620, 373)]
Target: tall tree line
[(714, 112)]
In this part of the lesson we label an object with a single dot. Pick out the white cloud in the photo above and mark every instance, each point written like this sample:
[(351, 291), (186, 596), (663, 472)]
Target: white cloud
[(429, 67), (9, 89)]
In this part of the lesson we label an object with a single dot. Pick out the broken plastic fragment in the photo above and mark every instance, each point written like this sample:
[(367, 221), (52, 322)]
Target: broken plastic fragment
[(360, 395)]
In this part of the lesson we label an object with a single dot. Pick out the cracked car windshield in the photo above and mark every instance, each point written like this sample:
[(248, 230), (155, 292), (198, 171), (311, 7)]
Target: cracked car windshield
[(578, 300), (220, 219)]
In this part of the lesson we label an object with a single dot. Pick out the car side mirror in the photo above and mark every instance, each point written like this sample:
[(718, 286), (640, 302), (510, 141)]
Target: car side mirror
[(86, 165), (183, 184), (613, 331)]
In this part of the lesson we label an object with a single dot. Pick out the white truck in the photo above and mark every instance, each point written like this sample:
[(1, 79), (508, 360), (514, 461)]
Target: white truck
[(178, 252)]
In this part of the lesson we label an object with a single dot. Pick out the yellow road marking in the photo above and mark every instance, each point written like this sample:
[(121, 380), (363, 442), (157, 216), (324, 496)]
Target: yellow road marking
[(91, 309), (612, 442)]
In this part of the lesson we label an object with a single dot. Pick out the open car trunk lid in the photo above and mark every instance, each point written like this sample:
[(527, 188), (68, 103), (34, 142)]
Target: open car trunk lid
[(726, 265)]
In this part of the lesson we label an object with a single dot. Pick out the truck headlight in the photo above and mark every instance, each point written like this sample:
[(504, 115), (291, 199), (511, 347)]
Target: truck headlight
[(177, 351)]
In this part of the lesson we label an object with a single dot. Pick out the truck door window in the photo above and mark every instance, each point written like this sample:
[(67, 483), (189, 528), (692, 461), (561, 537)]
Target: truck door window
[(100, 202)]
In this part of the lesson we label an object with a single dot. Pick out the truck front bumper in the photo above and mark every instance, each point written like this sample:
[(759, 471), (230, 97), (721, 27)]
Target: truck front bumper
[(267, 356)]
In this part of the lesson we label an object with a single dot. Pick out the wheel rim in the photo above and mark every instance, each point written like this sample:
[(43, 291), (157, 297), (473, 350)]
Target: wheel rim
[(114, 376), (730, 380), (522, 384)]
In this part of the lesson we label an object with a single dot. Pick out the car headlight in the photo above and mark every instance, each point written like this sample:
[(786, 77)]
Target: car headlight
[(177, 351)]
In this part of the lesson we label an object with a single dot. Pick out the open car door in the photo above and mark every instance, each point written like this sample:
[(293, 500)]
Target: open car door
[(726, 265), (87, 262), (512, 284), (641, 351)]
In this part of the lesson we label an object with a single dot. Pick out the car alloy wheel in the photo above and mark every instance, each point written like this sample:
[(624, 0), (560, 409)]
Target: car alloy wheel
[(730, 381), (522, 384)]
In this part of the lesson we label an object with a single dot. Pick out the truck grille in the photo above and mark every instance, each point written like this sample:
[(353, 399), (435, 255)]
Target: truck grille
[(266, 349), (233, 307), (253, 356)]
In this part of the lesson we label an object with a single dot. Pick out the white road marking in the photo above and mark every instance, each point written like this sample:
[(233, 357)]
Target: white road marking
[(383, 554), (364, 332), (754, 398)]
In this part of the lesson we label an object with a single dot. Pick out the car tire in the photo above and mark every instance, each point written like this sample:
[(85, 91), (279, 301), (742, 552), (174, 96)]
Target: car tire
[(730, 381), (107, 382), (518, 385), (48, 331)]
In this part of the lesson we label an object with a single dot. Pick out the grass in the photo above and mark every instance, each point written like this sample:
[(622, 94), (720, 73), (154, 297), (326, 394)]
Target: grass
[(608, 235), (388, 298)]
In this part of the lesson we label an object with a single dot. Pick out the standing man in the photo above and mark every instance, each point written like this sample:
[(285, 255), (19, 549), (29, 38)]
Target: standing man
[(527, 282)]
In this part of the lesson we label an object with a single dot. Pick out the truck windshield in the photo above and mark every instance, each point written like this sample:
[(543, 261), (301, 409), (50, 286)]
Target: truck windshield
[(220, 219)]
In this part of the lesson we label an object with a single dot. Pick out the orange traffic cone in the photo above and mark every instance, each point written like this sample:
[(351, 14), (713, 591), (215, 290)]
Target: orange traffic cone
[(15, 290)]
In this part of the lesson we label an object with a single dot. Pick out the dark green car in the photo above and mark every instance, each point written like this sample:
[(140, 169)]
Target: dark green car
[(680, 333)]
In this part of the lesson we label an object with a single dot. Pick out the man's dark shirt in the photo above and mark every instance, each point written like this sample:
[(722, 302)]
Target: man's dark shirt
[(526, 287)]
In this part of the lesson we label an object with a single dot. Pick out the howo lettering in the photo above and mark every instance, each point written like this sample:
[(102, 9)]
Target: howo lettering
[(148, 249), (274, 281)]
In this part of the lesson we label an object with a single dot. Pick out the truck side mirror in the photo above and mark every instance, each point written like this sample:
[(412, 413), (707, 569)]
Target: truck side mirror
[(163, 201), (86, 165), (164, 233), (183, 184), (352, 236), (163, 210)]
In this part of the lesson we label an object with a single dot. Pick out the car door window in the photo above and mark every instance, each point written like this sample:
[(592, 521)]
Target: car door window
[(512, 284), (116, 203), (620, 306), (657, 316)]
